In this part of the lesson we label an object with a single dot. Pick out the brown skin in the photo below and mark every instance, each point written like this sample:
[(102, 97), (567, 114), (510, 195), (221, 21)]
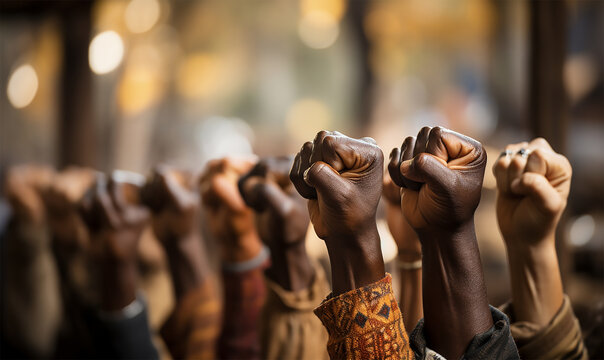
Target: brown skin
[(115, 219), (174, 201), (409, 250), (282, 221), (441, 174), (342, 179), (531, 196), (22, 188), (229, 218)]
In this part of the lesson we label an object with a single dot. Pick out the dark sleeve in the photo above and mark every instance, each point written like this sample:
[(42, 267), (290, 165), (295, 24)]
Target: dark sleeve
[(495, 343), (123, 338)]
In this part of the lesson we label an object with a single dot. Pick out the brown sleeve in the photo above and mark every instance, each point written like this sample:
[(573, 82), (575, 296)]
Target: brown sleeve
[(289, 328), (561, 339), (365, 323), (191, 331)]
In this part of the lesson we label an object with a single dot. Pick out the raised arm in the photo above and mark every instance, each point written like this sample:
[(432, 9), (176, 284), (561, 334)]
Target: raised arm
[(533, 183), (342, 179)]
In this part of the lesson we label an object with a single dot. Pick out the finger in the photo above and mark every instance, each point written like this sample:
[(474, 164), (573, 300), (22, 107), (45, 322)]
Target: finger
[(301, 164), (366, 139), (515, 170), (422, 141), (540, 190), (500, 170), (179, 194), (457, 150), (342, 152), (317, 147), (326, 180), (409, 146), (426, 168), (227, 193), (394, 167), (103, 207), (540, 143), (273, 197)]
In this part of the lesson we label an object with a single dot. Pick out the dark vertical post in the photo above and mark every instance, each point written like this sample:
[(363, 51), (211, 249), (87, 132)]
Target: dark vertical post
[(356, 14), (77, 136)]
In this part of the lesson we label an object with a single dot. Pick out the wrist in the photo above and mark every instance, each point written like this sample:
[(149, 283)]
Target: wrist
[(356, 261), (187, 262), (119, 281), (290, 267), (242, 248)]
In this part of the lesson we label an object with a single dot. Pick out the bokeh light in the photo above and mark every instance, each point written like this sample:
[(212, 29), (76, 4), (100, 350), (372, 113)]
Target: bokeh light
[(582, 230), (106, 52), (318, 29), (22, 86), (305, 118), (142, 15)]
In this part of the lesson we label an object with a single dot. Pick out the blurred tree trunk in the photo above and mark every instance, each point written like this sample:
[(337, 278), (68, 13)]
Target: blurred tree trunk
[(77, 134)]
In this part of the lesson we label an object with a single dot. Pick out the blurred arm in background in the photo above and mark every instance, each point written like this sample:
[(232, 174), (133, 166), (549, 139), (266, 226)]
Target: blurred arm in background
[(409, 260), (115, 219), (295, 285), (191, 331), (31, 301), (243, 256), (533, 183)]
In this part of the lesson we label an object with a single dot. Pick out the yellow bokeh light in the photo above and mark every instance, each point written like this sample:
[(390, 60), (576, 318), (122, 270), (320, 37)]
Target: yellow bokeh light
[(141, 15), (335, 8), (305, 118), (199, 75), (318, 29), (22, 86), (106, 52)]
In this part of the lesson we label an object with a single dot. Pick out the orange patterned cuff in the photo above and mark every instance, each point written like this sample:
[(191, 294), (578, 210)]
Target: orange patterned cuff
[(365, 323)]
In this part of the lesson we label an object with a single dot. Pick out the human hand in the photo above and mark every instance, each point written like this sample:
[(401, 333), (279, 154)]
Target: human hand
[(281, 214), (342, 179), (61, 199), (409, 247), (22, 189), (441, 173), (533, 183), (174, 201), (229, 219)]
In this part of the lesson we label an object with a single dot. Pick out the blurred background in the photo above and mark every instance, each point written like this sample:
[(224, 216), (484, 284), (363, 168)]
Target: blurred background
[(115, 84)]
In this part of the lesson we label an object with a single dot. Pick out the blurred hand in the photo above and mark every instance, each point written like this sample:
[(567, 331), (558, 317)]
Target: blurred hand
[(229, 219), (173, 198), (342, 179), (532, 192), (22, 189), (115, 218), (441, 173), (61, 199), (281, 214), (409, 247)]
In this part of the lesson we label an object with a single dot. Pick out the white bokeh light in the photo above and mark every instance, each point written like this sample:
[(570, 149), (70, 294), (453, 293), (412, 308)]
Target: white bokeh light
[(22, 86), (318, 29), (106, 52)]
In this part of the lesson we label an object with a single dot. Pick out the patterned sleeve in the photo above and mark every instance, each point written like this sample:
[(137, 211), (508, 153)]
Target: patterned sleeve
[(365, 323), (192, 330)]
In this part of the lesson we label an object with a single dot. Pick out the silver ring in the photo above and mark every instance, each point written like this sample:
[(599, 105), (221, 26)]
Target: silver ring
[(523, 152)]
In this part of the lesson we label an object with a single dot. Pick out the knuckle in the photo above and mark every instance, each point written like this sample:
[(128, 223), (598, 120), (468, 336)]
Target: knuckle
[(330, 141)]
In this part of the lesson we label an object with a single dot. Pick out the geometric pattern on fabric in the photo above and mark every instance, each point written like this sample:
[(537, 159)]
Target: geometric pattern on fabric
[(365, 323)]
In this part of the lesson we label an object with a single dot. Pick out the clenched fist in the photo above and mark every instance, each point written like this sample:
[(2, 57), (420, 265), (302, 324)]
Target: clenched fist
[(441, 173), (533, 182), (342, 179)]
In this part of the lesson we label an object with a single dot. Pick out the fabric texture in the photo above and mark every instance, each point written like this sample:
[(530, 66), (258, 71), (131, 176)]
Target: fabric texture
[(495, 343), (365, 323), (244, 296), (289, 328), (560, 339), (192, 330)]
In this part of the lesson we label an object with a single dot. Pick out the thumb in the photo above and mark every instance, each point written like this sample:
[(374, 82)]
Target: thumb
[(325, 179), (539, 189), (426, 168), (275, 198)]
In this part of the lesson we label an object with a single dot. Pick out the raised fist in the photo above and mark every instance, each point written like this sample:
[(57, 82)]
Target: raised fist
[(173, 198), (22, 188), (281, 214), (114, 216), (533, 183), (441, 173), (230, 220), (342, 179)]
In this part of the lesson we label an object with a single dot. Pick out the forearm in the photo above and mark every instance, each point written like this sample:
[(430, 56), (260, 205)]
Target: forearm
[(187, 262), (411, 297), (537, 292), (290, 267), (356, 266), (455, 301), (119, 283)]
